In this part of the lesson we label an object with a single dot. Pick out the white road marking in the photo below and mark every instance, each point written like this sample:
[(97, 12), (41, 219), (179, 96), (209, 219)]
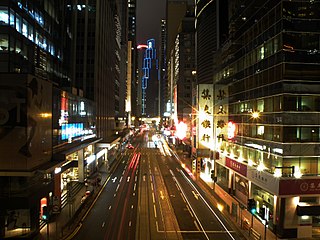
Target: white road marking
[(155, 211), (114, 179), (103, 224)]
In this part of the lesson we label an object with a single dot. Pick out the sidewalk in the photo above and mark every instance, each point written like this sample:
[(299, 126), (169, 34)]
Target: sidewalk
[(63, 224)]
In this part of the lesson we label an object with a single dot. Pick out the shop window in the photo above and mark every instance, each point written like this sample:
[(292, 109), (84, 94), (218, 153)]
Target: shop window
[(309, 165), (4, 42), (222, 177), (4, 16)]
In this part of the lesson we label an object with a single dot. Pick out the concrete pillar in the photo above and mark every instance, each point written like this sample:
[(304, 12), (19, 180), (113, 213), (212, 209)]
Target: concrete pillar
[(81, 166)]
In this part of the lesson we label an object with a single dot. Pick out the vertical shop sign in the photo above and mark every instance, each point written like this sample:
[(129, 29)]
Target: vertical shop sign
[(205, 115)]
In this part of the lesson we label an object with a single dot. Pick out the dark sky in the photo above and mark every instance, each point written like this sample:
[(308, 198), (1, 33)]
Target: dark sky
[(149, 15)]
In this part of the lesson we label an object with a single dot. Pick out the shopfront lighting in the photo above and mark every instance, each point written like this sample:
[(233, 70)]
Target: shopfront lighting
[(220, 207), (297, 173), (261, 167), (277, 173), (90, 159), (57, 170)]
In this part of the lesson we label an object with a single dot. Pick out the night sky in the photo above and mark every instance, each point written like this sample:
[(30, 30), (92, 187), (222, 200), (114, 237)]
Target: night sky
[(149, 15)]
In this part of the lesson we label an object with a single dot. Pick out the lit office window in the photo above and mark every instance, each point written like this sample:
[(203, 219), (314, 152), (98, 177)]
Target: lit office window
[(30, 33), (25, 28), (12, 18), (4, 16), (18, 23)]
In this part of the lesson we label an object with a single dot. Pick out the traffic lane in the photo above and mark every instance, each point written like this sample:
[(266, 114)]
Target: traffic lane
[(98, 215), (167, 224), (183, 214), (146, 217), (120, 225), (209, 222)]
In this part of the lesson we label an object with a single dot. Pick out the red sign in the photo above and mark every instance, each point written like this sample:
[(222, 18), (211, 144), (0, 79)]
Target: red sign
[(299, 186), (236, 166)]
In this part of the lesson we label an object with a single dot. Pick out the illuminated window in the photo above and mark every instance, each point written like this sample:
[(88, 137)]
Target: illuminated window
[(12, 18), (18, 23), (260, 130), (262, 52), (4, 16), (4, 44), (25, 28)]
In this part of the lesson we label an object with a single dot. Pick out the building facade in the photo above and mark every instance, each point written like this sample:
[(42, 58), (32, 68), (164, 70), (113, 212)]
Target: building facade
[(266, 115), (56, 104)]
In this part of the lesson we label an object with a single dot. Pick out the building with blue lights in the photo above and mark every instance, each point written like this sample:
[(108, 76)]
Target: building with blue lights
[(150, 81)]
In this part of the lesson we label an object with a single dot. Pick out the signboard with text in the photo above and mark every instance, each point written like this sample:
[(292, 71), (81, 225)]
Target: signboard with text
[(299, 186), (205, 116), (236, 166)]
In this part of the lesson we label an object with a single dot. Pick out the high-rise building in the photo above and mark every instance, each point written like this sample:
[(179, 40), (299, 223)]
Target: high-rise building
[(47, 124), (175, 11), (266, 115), (60, 83), (164, 92), (211, 32), (132, 72), (150, 81), (100, 41)]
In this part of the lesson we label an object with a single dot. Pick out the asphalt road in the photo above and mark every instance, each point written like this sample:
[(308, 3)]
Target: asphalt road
[(151, 196), (113, 215)]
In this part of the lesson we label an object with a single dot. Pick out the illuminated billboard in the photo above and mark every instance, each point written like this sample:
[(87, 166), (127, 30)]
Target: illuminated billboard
[(71, 130)]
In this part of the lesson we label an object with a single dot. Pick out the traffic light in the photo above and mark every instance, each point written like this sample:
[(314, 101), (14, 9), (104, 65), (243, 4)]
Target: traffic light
[(45, 213), (252, 205)]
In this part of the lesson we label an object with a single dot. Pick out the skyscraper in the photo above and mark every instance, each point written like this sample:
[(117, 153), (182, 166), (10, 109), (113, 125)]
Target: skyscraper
[(266, 114), (211, 32), (150, 81)]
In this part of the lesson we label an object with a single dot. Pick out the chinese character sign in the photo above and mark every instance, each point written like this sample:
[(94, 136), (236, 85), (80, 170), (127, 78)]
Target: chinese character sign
[(205, 115)]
